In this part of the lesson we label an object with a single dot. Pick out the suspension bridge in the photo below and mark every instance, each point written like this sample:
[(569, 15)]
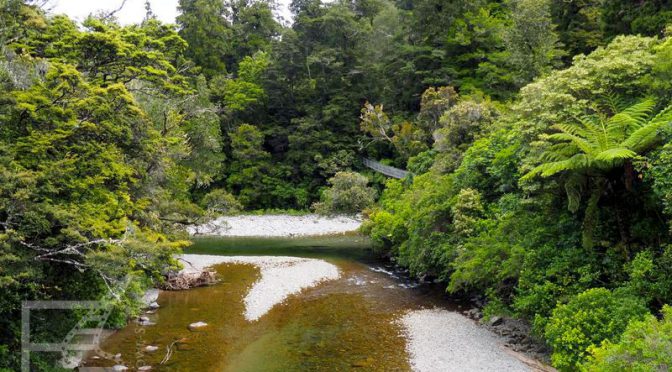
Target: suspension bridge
[(385, 169)]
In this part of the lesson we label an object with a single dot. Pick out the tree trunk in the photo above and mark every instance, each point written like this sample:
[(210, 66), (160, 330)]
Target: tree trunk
[(629, 175)]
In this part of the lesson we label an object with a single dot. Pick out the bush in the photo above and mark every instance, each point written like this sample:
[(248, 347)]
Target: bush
[(221, 201), (348, 193), (592, 317), (646, 345)]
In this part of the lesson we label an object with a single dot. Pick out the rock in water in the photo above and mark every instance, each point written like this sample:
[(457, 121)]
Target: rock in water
[(186, 280), (119, 367), (197, 325), (144, 321), (151, 348)]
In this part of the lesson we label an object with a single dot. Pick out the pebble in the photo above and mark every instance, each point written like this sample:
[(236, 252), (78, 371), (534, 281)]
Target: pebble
[(197, 325), (151, 348)]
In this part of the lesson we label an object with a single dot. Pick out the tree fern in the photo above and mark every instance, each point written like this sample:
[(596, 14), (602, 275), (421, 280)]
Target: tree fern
[(599, 144), (592, 147)]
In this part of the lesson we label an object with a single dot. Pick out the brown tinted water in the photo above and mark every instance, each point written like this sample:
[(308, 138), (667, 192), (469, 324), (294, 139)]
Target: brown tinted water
[(338, 325)]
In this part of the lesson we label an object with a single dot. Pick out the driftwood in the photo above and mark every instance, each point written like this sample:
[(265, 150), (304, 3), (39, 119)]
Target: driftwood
[(185, 280)]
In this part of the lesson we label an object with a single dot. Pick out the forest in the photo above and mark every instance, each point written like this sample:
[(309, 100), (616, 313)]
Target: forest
[(536, 133)]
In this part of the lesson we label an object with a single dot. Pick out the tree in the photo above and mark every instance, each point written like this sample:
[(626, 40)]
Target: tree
[(249, 165), (579, 25), (589, 151), (433, 103), (204, 26), (531, 41), (243, 92), (459, 127), (348, 193), (406, 137), (253, 26), (646, 345)]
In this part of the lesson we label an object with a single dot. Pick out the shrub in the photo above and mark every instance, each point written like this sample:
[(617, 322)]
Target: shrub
[(587, 320), (348, 193), (646, 345), (221, 201)]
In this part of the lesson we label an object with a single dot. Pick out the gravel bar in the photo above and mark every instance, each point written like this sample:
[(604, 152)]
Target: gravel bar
[(277, 226), (280, 277), (441, 340)]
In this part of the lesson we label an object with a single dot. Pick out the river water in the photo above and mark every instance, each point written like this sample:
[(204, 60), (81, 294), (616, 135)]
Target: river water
[(345, 324)]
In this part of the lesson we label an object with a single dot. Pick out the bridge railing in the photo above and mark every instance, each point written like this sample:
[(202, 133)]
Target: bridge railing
[(385, 169)]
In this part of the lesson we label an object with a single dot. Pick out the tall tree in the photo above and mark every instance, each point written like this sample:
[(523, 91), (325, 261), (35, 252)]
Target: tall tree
[(205, 26), (531, 41)]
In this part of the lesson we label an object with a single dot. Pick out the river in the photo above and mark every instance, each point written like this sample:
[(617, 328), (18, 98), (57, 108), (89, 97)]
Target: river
[(344, 324)]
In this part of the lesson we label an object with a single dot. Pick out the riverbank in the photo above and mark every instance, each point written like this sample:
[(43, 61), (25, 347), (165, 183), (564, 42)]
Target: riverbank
[(441, 340), (276, 226)]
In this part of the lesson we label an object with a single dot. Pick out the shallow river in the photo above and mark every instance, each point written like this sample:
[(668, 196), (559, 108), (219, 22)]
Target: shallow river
[(339, 325)]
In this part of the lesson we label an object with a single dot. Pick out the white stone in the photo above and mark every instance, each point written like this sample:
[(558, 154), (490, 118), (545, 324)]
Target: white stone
[(197, 325), (151, 348)]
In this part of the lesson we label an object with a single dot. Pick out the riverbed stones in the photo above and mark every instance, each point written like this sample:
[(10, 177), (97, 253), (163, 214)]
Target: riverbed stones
[(495, 321), (277, 226), (151, 348), (197, 326), (145, 321), (442, 340)]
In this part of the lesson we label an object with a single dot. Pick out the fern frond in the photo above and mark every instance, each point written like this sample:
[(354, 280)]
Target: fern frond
[(614, 102), (645, 137), (576, 162), (572, 129), (595, 129), (618, 153), (531, 174), (577, 141), (574, 188), (638, 113)]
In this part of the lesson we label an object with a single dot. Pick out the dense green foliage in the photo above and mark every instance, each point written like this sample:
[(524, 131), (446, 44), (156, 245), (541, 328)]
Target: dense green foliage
[(645, 345), (537, 134), (594, 316), (104, 134), (348, 194), (553, 206)]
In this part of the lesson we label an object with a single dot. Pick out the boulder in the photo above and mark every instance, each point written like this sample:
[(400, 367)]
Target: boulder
[(187, 279)]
